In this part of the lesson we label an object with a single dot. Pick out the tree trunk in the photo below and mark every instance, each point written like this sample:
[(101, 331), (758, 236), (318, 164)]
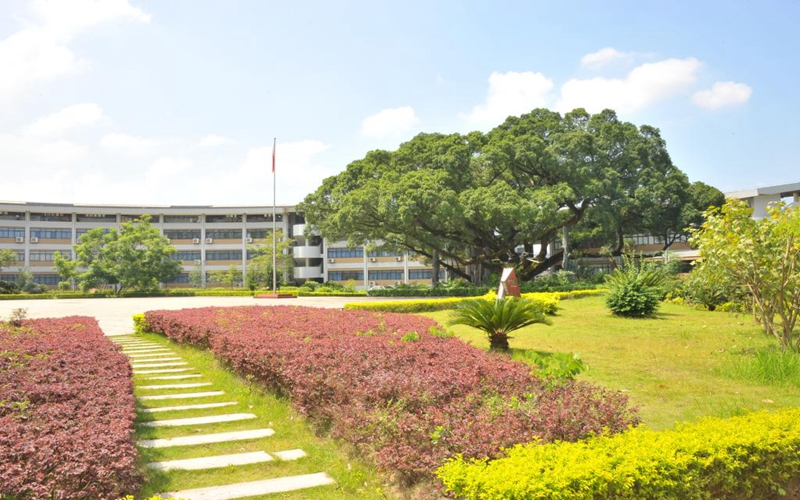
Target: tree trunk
[(435, 266), (565, 245), (498, 342)]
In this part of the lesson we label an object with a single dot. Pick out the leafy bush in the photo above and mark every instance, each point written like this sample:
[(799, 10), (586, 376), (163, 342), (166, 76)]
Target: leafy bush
[(752, 456), (9, 287), (66, 412), (393, 385), (635, 289), (558, 365), (498, 318)]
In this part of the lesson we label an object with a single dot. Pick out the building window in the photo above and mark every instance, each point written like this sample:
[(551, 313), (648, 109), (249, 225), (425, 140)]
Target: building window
[(386, 275), (42, 256), (223, 218), (259, 234), (385, 253), (13, 278), (20, 257), (346, 275), (51, 234), (51, 217), (46, 279), (181, 278), (423, 274), (182, 234), (12, 215), (345, 253), (224, 255), (264, 217), (186, 255), (154, 219), (224, 234), (194, 219), (96, 217), (12, 232)]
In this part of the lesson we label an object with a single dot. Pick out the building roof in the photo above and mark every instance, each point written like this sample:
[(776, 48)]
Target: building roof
[(783, 190)]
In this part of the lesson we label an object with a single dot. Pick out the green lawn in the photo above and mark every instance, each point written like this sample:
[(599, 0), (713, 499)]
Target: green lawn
[(677, 366)]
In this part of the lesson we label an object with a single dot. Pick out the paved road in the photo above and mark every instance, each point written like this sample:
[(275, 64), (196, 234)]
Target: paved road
[(115, 315)]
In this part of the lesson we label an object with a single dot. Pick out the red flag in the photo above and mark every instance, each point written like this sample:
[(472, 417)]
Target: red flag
[(273, 157)]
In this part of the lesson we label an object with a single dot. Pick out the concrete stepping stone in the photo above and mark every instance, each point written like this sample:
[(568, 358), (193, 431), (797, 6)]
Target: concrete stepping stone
[(213, 419), (149, 350), (174, 377), (253, 488), (175, 386), (290, 454), (255, 457), (163, 370), (188, 395), (187, 407), (148, 355), (158, 365), (135, 348), (221, 437), (155, 360)]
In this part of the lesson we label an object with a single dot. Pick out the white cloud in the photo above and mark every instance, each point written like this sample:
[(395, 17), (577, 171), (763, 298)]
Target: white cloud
[(389, 122), (723, 94), (165, 168), (128, 143), (511, 93), (215, 141), (39, 52), (644, 86), (66, 119), (605, 57)]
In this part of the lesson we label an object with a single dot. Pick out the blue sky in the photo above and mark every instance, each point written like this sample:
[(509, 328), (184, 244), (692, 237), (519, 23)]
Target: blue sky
[(177, 102)]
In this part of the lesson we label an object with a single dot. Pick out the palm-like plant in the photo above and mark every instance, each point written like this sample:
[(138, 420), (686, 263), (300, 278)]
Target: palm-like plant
[(499, 318)]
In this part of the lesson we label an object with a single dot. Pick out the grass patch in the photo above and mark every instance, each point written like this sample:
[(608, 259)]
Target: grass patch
[(675, 366), (355, 478), (768, 366)]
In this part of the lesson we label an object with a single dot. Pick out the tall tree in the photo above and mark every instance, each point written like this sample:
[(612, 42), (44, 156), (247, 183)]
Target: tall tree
[(259, 267), (137, 256), (475, 198), (7, 257)]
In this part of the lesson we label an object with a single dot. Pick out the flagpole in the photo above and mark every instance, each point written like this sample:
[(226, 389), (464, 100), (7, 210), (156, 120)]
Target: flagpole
[(274, 223)]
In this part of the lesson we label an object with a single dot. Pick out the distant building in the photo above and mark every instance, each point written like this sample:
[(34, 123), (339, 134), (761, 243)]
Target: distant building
[(760, 198), (209, 237)]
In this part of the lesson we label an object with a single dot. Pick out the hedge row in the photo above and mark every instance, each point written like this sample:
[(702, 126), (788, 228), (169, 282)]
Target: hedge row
[(66, 412), (404, 394), (549, 300), (752, 456)]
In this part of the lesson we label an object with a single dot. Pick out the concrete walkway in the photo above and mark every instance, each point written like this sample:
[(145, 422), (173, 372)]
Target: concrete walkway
[(115, 314)]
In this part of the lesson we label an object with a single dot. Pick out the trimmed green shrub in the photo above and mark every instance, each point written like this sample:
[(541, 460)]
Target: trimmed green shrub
[(751, 456), (636, 289)]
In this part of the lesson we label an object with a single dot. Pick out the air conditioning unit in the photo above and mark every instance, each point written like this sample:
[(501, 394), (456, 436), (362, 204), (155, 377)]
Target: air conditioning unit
[(398, 283), (196, 241), (249, 239), (373, 259), (331, 260), (209, 240), (198, 262), (20, 239), (371, 283), (399, 259), (34, 239)]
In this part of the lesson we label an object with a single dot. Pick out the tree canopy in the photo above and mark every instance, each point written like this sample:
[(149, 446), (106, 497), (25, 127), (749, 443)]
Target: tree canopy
[(474, 199), (137, 256)]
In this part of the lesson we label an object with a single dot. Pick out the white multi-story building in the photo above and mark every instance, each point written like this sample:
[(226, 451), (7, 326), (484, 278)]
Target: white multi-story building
[(760, 198), (209, 237)]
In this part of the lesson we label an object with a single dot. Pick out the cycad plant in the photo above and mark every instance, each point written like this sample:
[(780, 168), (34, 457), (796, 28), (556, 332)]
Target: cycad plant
[(498, 318), (636, 288)]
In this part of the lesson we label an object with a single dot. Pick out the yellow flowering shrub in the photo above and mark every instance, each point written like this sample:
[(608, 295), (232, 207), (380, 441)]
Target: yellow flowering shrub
[(752, 456)]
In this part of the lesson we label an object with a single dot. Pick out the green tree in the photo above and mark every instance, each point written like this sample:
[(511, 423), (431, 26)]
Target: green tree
[(473, 199), (259, 267), (761, 256), (7, 257), (498, 318), (67, 270), (230, 277), (137, 256), (196, 276)]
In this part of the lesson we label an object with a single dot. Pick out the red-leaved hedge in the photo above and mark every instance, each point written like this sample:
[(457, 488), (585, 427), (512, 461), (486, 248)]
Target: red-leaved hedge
[(409, 401), (66, 412)]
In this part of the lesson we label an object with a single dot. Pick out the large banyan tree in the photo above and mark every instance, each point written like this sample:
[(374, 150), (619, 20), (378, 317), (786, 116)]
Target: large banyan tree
[(471, 201)]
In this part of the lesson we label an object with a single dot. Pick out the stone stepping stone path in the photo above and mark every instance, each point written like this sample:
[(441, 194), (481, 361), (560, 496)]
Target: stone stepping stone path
[(162, 364)]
